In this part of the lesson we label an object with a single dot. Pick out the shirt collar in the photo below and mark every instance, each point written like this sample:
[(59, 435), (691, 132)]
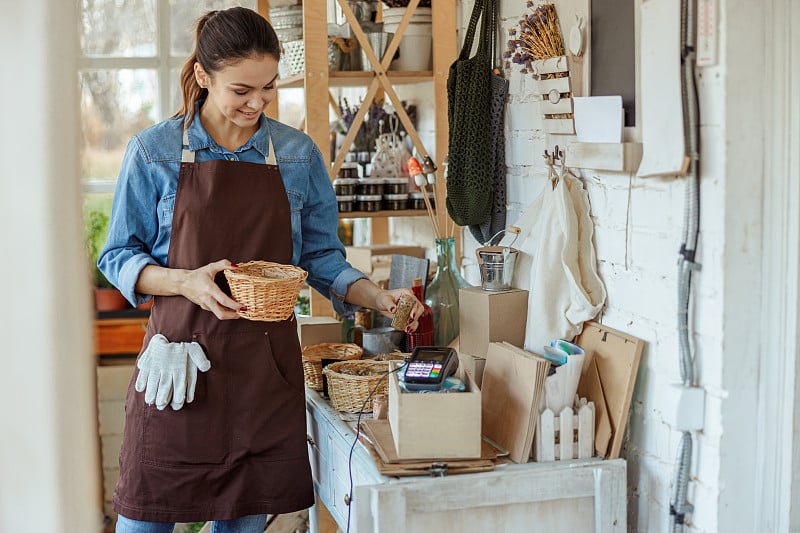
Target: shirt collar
[(199, 138)]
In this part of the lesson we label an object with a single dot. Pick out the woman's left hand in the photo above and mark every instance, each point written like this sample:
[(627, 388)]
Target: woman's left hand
[(386, 303)]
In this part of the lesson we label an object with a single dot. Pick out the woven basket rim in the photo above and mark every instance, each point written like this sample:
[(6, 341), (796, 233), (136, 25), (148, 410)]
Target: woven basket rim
[(296, 274), (332, 369), (351, 351)]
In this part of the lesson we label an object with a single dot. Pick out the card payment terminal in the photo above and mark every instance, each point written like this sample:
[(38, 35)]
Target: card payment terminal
[(429, 366)]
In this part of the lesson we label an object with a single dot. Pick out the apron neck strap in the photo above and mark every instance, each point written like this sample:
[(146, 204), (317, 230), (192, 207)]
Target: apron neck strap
[(187, 155)]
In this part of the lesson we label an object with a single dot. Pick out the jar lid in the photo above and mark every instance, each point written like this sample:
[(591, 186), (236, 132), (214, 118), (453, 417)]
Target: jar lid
[(395, 196), (369, 197), (345, 181), (345, 198), (395, 181), (371, 181)]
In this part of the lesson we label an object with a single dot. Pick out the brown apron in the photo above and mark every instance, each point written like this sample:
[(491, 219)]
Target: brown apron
[(240, 447)]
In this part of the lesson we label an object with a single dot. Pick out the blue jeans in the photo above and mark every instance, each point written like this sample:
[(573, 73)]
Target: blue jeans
[(246, 524)]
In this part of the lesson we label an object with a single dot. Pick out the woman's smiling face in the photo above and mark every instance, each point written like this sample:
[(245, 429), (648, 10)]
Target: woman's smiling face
[(238, 93)]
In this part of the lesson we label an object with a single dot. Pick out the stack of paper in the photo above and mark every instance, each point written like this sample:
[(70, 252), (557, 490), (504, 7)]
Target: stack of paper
[(513, 381)]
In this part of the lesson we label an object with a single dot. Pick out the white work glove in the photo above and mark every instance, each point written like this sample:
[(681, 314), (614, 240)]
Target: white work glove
[(168, 371)]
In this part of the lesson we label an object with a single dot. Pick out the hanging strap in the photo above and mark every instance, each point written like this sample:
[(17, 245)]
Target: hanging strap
[(477, 10), (492, 30), (187, 155)]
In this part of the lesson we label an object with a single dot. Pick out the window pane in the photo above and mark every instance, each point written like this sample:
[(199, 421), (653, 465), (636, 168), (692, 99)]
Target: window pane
[(184, 14), (125, 28), (115, 104), (175, 96)]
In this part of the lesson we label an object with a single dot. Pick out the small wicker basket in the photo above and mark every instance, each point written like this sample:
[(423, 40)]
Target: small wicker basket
[(267, 290), (314, 354), (351, 382)]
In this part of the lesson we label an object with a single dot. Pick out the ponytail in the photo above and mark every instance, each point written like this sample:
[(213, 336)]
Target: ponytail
[(223, 38)]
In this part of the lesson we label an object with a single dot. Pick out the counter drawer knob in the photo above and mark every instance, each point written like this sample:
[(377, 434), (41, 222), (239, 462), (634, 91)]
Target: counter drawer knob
[(347, 499)]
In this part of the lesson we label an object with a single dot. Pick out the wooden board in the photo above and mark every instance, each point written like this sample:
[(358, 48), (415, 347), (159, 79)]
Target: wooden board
[(616, 357)]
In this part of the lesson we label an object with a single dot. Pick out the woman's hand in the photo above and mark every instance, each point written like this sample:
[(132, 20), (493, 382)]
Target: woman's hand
[(198, 286), (386, 303)]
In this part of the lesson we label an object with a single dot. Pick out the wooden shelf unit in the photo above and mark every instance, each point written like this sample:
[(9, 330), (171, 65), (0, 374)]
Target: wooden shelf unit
[(317, 81)]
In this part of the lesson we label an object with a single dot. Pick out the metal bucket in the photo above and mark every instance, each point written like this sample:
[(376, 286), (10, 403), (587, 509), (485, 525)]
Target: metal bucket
[(497, 267)]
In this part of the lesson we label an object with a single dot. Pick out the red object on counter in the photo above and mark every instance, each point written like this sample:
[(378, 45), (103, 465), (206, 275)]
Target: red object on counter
[(424, 334)]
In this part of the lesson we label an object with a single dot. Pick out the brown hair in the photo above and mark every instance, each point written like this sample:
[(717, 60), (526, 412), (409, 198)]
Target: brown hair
[(223, 38)]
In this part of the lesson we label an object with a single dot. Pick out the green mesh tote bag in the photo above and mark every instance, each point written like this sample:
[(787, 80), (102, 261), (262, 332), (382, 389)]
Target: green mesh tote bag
[(498, 90), (469, 173)]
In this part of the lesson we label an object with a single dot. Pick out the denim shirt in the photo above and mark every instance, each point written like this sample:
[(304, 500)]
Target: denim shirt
[(141, 215)]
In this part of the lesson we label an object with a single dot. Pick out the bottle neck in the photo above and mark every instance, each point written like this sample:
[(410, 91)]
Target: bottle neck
[(446, 253)]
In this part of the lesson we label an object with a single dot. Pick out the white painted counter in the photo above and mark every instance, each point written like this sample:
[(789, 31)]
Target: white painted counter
[(575, 496)]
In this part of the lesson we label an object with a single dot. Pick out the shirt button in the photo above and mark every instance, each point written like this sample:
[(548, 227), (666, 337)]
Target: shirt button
[(233, 158)]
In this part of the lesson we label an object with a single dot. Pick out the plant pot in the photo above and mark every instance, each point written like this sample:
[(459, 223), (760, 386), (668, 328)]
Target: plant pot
[(109, 300)]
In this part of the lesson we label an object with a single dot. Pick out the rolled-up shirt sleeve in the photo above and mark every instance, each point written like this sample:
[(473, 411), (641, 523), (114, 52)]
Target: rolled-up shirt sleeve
[(323, 254), (133, 225)]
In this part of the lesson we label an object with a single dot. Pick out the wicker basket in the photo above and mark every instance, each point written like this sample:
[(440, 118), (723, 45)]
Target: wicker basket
[(268, 290), (351, 382), (293, 57), (314, 354)]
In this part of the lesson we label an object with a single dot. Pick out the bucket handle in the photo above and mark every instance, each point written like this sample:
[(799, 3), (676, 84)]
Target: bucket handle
[(511, 229)]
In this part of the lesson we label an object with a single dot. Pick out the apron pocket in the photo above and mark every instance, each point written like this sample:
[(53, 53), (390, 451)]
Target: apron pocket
[(269, 405), (197, 434)]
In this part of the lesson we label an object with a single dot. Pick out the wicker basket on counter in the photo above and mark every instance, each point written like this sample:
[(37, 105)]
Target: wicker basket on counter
[(314, 354), (351, 382), (267, 290)]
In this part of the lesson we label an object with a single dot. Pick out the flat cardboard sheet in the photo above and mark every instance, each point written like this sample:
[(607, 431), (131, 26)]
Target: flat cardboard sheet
[(614, 356), (414, 468), (379, 433), (513, 382)]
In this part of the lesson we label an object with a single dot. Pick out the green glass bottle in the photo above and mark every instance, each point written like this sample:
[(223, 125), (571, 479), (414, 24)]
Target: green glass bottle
[(442, 293)]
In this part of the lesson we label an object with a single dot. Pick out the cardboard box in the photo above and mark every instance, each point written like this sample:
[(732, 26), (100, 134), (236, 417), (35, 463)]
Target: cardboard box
[(364, 257), (436, 426), (472, 364), (486, 316), (318, 329)]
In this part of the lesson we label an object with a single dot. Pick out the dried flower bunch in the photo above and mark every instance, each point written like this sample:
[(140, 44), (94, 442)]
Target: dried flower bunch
[(370, 128), (538, 36)]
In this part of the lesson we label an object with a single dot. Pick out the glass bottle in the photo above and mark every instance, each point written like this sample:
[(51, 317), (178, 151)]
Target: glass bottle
[(423, 336), (442, 293)]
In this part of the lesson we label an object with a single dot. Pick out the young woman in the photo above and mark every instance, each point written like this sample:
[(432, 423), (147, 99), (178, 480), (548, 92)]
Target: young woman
[(218, 184)]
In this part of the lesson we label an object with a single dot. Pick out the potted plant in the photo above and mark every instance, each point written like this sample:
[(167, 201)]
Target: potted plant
[(107, 297)]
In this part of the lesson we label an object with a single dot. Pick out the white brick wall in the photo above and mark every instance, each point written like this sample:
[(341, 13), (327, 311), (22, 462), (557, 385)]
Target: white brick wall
[(638, 224)]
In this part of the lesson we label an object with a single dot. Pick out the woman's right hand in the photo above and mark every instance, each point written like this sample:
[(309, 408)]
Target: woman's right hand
[(198, 286)]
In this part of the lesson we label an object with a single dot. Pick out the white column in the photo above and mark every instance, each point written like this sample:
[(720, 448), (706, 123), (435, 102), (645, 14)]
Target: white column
[(48, 438)]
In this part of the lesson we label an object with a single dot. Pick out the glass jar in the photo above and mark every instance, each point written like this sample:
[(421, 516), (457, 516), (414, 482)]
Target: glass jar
[(345, 202), (369, 186), (442, 293), (417, 201), (395, 186), (368, 202), (344, 186), (349, 170), (395, 202)]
